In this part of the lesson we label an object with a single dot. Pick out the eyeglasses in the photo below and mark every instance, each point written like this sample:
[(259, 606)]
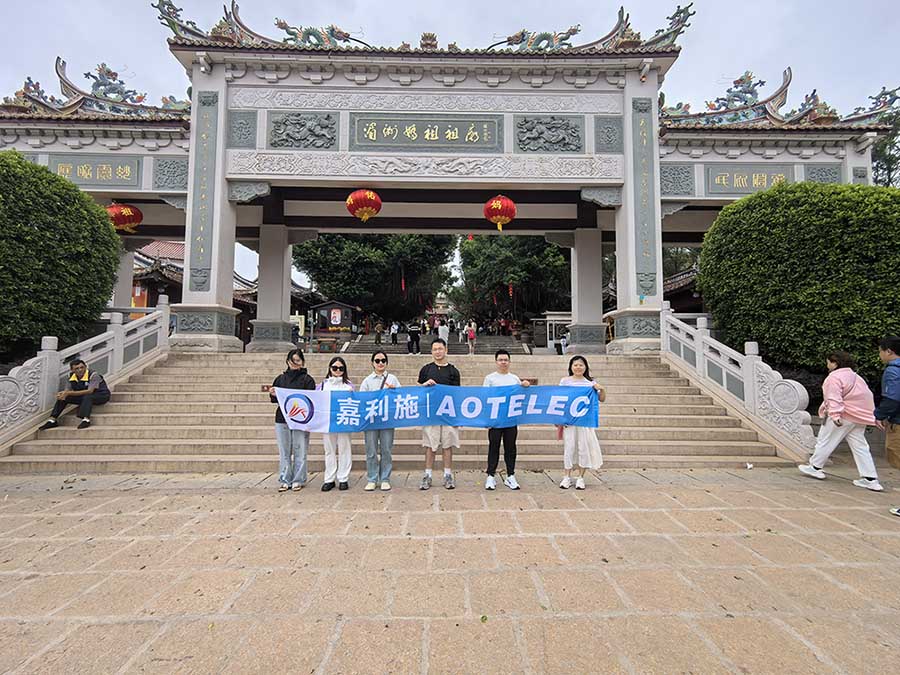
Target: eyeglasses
[(337, 369), (379, 360)]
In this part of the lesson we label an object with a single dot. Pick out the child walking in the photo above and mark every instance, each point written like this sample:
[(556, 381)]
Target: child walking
[(580, 445)]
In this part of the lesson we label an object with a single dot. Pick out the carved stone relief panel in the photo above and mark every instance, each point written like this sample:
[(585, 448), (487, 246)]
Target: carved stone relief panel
[(302, 130), (241, 129), (549, 133), (608, 134), (677, 179)]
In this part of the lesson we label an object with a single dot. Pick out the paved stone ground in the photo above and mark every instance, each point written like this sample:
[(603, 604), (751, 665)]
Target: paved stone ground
[(646, 571)]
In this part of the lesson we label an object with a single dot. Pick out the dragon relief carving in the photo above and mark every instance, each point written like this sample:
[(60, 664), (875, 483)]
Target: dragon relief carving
[(304, 130)]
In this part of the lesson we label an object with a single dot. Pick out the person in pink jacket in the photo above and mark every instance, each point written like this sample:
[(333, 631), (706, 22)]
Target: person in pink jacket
[(847, 410)]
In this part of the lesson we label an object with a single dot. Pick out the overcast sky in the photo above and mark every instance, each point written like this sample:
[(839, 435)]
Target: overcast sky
[(846, 50)]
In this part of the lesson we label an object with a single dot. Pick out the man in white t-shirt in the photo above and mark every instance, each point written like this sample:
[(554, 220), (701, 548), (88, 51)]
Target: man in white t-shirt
[(502, 378)]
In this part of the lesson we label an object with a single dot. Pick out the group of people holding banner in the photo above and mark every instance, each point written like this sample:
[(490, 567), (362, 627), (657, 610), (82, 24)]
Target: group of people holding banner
[(334, 408)]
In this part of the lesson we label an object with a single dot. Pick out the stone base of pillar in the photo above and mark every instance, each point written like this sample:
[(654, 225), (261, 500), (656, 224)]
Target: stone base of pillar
[(204, 328), (271, 336), (636, 329), (587, 338)]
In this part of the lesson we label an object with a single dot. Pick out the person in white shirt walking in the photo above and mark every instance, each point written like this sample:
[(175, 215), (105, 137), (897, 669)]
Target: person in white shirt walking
[(444, 330), (379, 442), (502, 378)]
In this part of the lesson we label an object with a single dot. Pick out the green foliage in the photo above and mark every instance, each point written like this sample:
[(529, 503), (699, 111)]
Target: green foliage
[(539, 272), (367, 270), (804, 269), (678, 259), (886, 153), (59, 254)]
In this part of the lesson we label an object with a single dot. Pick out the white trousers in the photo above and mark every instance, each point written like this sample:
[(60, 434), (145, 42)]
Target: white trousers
[(337, 467), (830, 436)]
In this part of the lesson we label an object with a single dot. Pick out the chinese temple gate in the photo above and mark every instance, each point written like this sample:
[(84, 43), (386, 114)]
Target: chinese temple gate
[(280, 129)]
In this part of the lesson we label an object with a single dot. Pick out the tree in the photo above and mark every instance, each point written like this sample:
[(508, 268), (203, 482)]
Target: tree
[(59, 254), (886, 153), (678, 259), (537, 270), (805, 269), (392, 276)]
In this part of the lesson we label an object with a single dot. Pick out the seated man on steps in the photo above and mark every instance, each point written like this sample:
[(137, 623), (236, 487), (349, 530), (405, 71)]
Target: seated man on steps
[(84, 389)]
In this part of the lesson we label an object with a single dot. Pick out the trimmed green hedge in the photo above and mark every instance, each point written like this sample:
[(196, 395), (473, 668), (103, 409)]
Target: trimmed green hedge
[(59, 254), (804, 269)]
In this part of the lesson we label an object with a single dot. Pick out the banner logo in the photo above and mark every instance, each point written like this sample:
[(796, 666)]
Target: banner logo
[(299, 408)]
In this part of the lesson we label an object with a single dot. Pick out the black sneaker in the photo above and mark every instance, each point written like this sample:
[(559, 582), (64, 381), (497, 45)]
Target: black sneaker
[(49, 424), (343, 486), (84, 424), (327, 487)]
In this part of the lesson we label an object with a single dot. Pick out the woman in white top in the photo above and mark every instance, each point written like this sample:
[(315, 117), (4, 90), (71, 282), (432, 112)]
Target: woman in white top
[(444, 330), (580, 444), (337, 379), (379, 442)]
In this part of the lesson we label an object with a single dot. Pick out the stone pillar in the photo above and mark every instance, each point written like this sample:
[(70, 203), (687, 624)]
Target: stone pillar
[(205, 316), (123, 291), (587, 332), (639, 292), (271, 327)]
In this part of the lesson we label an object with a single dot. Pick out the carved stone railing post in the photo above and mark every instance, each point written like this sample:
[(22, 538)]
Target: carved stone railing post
[(162, 305), (702, 339), (50, 365), (118, 352), (748, 370)]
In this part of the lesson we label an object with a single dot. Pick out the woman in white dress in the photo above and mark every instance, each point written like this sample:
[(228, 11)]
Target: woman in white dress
[(580, 445), (337, 379)]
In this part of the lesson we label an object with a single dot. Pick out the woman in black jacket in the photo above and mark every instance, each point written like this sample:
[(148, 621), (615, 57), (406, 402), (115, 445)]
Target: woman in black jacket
[(292, 443)]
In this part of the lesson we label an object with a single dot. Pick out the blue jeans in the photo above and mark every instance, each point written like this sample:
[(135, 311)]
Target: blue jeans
[(291, 441), (379, 471)]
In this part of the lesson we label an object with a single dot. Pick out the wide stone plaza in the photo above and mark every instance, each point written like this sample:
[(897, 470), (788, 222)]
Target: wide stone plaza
[(645, 571)]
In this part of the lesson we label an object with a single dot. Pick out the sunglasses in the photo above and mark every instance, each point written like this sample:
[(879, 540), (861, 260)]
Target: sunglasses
[(338, 369), (379, 360)]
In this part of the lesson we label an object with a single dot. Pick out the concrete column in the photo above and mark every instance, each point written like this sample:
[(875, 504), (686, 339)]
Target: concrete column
[(639, 278), (271, 328), (205, 316), (123, 290), (587, 331)]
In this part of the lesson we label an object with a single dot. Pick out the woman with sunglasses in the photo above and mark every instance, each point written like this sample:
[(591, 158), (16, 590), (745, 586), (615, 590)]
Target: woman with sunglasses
[(379, 442), (580, 444), (337, 379)]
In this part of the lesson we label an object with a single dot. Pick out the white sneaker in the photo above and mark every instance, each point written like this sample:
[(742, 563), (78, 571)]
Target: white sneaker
[(369, 486), (565, 483), (810, 470), (511, 482), (579, 484), (872, 485), (490, 483), (385, 486)]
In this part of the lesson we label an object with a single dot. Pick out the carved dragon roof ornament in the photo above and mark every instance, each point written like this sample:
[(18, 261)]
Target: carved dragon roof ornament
[(108, 96), (546, 41), (678, 21)]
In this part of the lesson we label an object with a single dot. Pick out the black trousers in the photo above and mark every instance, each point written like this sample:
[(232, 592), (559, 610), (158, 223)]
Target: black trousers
[(508, 436), (414, 344), (84, 403), (393, 338)]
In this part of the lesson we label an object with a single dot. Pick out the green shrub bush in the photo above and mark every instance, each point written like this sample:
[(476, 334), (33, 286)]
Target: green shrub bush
[(59, 254), (806, 268)]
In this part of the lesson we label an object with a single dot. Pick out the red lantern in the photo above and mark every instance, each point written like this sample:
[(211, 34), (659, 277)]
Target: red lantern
[(510, 290), (125, 217), (500, 210), (470, 237), (364, 204)]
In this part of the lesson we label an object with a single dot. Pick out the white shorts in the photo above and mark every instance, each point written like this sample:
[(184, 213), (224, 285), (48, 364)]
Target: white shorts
[(440, 436)]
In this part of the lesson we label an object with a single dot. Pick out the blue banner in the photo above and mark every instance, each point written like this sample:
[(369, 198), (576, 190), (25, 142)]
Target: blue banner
[(350, 411)]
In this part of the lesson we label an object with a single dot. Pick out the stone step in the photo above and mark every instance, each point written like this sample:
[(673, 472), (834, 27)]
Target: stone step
[(81, 464), (266, 432), (173, 375), (211, 446), (238, 387), (137, 403), (252, 359), (106, 419)]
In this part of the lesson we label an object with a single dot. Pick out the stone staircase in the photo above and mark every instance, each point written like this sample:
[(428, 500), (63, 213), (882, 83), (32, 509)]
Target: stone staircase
[(206, 413), (486, 344)]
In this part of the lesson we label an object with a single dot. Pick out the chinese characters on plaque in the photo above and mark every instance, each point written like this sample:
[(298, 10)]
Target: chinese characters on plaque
[(98, 170), (729, 179), (426, 133)]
